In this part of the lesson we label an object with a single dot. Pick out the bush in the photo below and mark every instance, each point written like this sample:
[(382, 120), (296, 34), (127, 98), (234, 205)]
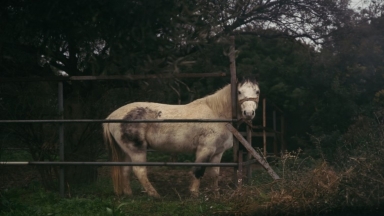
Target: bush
[(348, 179), (361, 159)]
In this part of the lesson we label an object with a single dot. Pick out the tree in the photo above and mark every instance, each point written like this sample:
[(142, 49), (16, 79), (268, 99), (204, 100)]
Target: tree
[(120, 37)]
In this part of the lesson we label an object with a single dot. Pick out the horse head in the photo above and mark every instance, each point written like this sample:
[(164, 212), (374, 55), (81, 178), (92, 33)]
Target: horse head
[(248, 96)]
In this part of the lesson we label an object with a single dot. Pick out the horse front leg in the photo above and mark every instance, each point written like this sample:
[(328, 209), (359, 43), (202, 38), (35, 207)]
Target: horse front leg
[(194, 189), (203, 155), (214, 172)]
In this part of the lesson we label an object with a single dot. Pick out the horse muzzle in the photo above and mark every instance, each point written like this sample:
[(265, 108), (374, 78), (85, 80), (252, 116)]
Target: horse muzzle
[(248, 115), (248, 107)]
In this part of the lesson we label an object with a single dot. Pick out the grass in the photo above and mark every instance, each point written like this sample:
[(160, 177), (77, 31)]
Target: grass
[(40, 202), (310, 186), (97, 199), (352, 181)]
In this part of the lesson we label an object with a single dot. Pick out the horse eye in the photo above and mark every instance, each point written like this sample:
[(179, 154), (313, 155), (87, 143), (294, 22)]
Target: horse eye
[(257, 92), (239, 92)]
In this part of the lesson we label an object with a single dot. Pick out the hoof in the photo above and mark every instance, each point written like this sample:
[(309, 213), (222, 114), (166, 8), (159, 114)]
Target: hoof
[(194, 194), (154, 194), (216, 194), (127, 193), (124, 193)]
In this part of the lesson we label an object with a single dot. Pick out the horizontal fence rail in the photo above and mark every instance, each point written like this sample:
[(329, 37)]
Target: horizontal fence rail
[(119, 121), (113, 77), (79, 163)]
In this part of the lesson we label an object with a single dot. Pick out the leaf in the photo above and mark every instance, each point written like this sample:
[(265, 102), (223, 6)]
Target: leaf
[(121, 205), (109, 211)]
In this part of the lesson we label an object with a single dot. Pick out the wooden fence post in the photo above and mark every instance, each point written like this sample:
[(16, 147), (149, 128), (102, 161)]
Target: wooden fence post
[(250, 149)]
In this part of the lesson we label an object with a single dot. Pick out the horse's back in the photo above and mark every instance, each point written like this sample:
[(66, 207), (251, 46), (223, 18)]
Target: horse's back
[(144, 110), (170, 137)]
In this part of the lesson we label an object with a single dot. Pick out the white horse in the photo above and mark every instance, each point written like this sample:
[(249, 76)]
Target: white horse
[(129, 141)]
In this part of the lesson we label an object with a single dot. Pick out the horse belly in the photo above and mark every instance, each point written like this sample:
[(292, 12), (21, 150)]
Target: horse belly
[(174, 139)]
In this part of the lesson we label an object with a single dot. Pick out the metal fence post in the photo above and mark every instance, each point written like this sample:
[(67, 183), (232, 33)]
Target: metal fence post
[(274, 134), (232, 67), (61, 138), (264, 127)]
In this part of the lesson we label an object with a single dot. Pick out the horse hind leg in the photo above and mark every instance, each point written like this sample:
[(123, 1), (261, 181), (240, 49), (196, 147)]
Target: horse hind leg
[(126, 174), (138, 153), (141, 174)]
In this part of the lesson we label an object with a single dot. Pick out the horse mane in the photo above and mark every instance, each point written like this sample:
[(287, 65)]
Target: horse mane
[(246, 79), (220, 101)]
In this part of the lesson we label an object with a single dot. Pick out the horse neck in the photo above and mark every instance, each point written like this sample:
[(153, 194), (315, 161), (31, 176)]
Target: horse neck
[(220, 102)]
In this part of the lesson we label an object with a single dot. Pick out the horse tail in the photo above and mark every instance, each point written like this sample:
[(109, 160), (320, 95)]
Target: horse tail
[(115, 155)]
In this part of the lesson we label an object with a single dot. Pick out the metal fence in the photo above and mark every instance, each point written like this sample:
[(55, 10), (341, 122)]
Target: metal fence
[(237, 154), (62, 163)]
